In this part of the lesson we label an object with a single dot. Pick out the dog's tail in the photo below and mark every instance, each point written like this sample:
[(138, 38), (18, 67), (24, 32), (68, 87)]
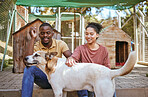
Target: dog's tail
[(128, 66)]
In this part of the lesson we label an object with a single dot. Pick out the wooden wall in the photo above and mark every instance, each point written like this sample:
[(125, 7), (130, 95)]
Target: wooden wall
[(20, 40), (109, 37), (146, 49)]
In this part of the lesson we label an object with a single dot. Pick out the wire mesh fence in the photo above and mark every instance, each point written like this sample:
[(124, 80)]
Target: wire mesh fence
[(6, 9)]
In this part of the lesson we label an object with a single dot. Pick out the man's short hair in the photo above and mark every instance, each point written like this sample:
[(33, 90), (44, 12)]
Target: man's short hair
[(45, 24)]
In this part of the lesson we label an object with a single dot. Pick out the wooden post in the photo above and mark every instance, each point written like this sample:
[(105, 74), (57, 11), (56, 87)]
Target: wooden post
[(135, 33), (75, 28)]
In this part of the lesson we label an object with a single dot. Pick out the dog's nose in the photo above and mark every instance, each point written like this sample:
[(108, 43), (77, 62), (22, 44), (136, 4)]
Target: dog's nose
[(26, 58)]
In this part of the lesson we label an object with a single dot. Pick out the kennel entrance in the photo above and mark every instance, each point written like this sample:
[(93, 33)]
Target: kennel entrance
[(121, 52)]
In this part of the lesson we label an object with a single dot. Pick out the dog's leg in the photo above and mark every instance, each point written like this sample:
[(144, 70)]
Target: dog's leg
[(64, 93), (58, 92), (104, 88)]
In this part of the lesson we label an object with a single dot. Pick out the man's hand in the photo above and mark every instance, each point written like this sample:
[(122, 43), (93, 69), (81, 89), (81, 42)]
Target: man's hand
[(70, 62), (30, 45), (33, 32)]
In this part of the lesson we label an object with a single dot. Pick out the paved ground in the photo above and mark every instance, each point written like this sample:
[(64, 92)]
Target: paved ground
[(136, 79)]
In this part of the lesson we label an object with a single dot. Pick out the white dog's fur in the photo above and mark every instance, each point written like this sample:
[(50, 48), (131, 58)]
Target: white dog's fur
[(89, 76)]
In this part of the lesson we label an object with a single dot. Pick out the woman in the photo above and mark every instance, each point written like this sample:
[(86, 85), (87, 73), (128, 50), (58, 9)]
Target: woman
[(91, 52)]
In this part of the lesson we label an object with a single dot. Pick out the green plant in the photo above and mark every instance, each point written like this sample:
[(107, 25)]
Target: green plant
[(146, 74), (6, 62)]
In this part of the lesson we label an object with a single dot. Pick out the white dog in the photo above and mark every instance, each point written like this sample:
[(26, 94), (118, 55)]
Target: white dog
[(89, 76)]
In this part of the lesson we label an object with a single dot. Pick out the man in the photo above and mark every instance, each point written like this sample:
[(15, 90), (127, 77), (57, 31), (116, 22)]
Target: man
[(33, 74)]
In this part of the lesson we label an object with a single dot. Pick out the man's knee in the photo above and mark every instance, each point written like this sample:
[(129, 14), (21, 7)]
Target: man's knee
[(29, 70)]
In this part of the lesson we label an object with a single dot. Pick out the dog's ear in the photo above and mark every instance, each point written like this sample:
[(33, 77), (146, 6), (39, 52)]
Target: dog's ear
[(49, 56), (54, 53)]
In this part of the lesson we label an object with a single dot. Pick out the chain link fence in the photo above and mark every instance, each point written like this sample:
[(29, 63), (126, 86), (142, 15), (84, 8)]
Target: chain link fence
[(6, 9)]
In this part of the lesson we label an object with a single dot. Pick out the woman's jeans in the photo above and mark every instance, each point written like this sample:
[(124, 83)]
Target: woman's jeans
[(33, 75), (85, 93)]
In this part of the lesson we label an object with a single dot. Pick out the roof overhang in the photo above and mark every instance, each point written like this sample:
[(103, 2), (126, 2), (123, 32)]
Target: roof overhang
[(114, 4)]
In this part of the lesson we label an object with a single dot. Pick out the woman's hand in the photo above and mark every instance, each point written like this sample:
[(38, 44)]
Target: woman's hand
[(70, 62), (33, 32)]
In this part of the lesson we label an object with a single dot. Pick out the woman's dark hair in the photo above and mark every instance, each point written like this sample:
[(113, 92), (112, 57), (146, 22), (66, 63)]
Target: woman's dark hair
[(45, 24), (96, 26)]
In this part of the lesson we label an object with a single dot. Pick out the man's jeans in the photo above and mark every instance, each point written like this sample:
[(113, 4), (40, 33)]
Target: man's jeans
[(85, 93), (33, 75)]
